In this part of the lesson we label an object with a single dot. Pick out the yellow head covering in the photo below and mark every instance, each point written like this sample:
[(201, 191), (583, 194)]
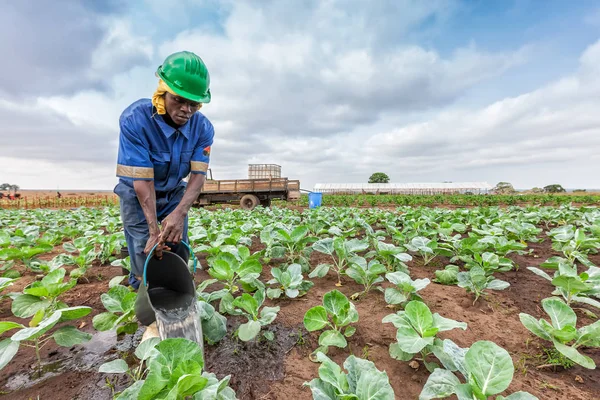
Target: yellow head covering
[(158, 98)]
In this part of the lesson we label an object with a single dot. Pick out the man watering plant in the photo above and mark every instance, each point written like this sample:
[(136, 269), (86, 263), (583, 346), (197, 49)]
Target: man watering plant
[(161, 141)]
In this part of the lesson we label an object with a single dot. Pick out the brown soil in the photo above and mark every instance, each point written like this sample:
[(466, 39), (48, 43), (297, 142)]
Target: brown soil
[(239, 359), (279, 372)]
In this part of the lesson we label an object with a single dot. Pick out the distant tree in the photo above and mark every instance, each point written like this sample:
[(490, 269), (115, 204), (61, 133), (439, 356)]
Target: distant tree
[(9, 187), (537, 190), (504, 188), (379, 177), (555, 188)]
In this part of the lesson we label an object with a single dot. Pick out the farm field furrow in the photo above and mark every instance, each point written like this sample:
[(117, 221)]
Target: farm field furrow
[(405, 288)]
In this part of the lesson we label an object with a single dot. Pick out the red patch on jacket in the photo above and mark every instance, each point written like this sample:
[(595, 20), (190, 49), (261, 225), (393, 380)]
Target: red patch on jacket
[(206, 151)]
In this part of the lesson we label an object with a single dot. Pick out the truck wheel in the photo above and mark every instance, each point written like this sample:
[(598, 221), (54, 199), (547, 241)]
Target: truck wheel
[(265, 203), (249, 201)]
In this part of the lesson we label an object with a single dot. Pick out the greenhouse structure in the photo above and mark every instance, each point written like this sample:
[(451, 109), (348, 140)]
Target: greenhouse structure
[(404, 188)]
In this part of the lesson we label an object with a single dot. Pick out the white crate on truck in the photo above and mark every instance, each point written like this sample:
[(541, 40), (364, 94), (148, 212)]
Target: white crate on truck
[(264, 171)]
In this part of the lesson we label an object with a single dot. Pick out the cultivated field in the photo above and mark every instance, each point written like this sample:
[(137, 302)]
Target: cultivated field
[(430, 300), (32, 199)]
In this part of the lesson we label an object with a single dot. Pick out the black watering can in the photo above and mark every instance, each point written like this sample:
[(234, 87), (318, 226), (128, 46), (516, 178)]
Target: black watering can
[(167, 295)]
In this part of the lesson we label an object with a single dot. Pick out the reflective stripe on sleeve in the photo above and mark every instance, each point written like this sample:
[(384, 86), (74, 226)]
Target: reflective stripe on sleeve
[(135, 172), (198, 166)]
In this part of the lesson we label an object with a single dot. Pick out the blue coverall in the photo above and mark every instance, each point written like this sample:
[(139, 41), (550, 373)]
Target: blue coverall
[(150, 149)]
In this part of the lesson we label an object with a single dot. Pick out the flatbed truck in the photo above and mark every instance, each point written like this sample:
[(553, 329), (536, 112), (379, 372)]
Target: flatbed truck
[(248, 193)]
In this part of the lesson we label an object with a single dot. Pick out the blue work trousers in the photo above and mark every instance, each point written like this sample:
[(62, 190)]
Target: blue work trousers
[(136, 228)]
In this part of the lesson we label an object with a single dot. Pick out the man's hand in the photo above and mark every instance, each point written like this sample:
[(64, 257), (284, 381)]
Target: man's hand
[(147, 198), (172, 227), (152, 240)]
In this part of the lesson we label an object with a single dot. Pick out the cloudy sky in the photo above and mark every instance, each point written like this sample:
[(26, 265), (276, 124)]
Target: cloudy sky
[(332, 90)]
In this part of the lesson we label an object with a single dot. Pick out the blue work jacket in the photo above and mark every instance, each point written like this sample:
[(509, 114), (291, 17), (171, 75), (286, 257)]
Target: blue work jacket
[(150, 149)]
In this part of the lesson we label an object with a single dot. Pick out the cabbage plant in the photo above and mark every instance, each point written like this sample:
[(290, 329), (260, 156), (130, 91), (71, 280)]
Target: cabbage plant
[(227, 268), (522, 231), (119, 302), (462, 249), (425, 247), (447, 228), (26, 253), (170, 369), (417, 330), (37, 335), (336, 313), (486, 368), (562, 331), (363, 381), (86, 254), (393, 257), (110, 245), (289, 282), (503, 246), (293, 244), (258, 315), (448, 275), (476, 281), (405, 288), (214, 325), (40, 298), (4, 283), (341, 252), (571, 285), (365, 273), (209, 297), (574, 243), (489, 262)]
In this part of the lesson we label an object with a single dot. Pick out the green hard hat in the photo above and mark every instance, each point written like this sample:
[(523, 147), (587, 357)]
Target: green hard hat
[(186, 74)]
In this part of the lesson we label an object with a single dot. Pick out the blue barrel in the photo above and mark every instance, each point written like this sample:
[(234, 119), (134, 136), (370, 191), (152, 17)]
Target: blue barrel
[(314, 199)]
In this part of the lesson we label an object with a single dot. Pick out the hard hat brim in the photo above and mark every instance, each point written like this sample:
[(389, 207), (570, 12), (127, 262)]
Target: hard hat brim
[(186, 95)]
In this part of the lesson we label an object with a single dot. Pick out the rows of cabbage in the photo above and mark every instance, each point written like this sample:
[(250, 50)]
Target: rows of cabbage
[(372, 247)]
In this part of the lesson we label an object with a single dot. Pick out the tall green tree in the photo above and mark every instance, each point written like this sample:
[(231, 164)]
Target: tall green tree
[(379, 177)]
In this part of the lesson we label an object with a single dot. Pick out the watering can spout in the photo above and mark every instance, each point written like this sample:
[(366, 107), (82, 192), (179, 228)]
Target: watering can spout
[(167, 296)]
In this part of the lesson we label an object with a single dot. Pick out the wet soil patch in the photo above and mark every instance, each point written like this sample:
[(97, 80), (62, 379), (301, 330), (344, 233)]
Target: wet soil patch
[(59, 367), (255, 363)]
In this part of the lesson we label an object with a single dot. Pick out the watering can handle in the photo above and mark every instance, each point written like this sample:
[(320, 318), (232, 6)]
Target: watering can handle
[(154, 248)]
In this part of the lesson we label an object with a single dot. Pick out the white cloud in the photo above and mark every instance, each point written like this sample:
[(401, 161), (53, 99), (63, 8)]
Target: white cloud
[(64, 47), (119, 50), (330, 94), (293, 76), (557, 126)]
